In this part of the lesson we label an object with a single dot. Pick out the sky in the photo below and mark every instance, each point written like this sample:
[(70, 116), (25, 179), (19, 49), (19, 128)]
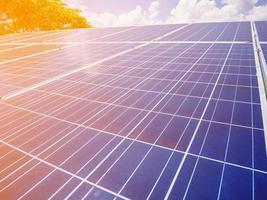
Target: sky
[(106, 13)]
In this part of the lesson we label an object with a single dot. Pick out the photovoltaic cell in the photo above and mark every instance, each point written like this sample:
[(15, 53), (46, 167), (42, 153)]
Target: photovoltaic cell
[(8, 47), (74, 35), (143, 33), (24, 51), (162, 120), (11, 38), (80, 35), (24, 67), (238, 31), (264, 50), (261, 29)]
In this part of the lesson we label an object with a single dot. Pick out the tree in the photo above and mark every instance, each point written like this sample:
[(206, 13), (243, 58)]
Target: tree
[(35, 15)]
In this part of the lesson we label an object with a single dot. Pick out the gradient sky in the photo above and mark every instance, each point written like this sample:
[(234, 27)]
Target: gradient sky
[(121, 6), (116, 10)]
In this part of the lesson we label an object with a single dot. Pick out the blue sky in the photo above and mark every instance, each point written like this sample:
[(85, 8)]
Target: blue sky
[(139, 12)]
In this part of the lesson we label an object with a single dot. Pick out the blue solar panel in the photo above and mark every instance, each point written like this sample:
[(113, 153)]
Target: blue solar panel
[(261, 29), (143, 33), (162, 120), (264, 50), (237, 31)]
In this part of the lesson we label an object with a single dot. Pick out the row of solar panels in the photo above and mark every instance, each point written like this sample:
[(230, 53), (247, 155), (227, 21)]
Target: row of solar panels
[(183, 32), (23, 65), (181, 120)]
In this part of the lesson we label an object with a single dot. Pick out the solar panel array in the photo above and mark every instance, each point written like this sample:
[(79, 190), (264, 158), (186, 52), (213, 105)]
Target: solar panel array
[(151, 112)]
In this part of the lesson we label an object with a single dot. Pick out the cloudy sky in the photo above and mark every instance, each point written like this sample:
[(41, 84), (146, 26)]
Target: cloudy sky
[(104, 13)]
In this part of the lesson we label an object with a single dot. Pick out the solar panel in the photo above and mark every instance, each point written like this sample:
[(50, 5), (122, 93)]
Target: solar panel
[(143, 33), (237, 31), (74, 36), (17, 52), (137, 114), (264, 49), (261, 28), (63, 36), (8, 47), (22, 68), (23, 36)]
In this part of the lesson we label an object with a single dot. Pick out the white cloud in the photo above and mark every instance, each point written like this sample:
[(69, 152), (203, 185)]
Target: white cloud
[(137, 16), (154, 9), (206, 10), (184, 11), (241, 6), (258, 13)]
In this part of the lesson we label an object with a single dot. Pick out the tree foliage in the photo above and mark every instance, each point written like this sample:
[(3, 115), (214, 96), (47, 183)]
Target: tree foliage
[(35, 15)]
